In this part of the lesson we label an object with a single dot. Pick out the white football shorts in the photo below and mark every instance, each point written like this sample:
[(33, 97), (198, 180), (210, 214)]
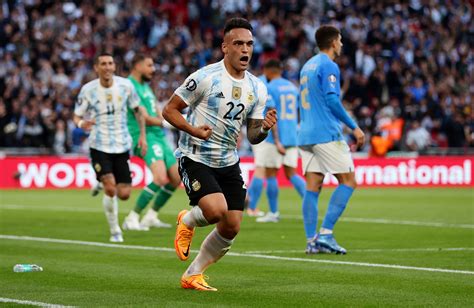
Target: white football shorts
[(266, 155), (332, 157)]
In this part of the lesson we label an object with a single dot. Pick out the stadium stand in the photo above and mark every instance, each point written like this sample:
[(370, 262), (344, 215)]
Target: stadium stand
[(407, 65)]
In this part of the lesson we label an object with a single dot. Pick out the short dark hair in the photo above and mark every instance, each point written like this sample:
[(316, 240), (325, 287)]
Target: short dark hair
[(325, 35), (237, 22), (272, 63), (139, 57), (101, 54)]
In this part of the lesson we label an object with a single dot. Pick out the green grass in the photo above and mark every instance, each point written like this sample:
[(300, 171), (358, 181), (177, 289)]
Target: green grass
[(389, 233)]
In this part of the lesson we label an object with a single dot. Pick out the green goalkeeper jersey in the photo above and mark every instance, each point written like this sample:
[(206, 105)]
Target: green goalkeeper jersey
[(147, 100)]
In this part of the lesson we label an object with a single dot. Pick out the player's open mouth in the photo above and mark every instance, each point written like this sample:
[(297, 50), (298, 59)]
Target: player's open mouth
[(244, 59)]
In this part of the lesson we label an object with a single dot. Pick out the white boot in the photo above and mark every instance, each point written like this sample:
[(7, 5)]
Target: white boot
[(269, 217), (151, 220), (131, 222)]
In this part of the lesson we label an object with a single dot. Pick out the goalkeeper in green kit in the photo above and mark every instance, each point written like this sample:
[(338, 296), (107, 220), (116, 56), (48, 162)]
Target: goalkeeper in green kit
[(159, 157)]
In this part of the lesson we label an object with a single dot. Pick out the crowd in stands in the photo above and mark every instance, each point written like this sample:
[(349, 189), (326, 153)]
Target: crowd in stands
[(407, 66)]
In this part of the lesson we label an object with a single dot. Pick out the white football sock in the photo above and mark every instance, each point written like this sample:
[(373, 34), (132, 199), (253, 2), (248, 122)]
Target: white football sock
[(212, 249), (195, 218), (111, 213)]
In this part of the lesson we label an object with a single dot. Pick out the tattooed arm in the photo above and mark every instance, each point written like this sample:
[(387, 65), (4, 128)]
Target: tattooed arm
[(257, 129)]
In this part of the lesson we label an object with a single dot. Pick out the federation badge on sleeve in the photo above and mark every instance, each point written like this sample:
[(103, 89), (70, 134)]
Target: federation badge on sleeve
[(236, 92), (196, 185), (191, 85)]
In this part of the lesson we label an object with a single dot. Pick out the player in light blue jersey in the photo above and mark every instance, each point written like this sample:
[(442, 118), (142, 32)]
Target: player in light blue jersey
[(322, 142), (279, 148), (101, 107), (220, 98)]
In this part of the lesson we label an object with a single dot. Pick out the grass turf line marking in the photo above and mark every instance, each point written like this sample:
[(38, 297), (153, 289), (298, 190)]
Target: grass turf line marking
[(236, 254), (371, 250), (31, 303), (395, 222), (297, 217)]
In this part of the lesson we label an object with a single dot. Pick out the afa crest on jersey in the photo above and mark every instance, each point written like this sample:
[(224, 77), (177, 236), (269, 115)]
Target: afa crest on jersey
[(236, 92)]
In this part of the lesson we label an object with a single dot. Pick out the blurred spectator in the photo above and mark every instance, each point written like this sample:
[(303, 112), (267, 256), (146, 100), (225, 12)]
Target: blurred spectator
[(3, 123), (455, 132), (60, 138), (31, 131), (418, 138), (403, 62)]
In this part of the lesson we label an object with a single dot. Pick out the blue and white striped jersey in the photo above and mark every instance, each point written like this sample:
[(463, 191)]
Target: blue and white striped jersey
[(108, 107), (217, 99)]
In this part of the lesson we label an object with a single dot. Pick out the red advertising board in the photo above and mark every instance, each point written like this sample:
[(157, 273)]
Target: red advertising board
[(67, 172)]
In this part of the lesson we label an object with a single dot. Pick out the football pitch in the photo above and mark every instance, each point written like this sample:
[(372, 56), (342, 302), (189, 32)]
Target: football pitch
[(406, 247)]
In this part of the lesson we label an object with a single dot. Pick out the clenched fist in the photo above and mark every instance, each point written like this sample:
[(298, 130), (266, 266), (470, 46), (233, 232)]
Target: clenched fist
[(202, 132), (269, 120)]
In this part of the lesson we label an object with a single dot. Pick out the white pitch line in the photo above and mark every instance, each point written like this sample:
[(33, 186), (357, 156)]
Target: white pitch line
[(407, 222), (31, 303), (236, 254), (371, 250), (85, 243), (297, 217), (394, 222)]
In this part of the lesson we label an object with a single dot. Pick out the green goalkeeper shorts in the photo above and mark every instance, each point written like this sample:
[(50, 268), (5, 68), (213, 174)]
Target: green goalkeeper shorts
[(158, 149)]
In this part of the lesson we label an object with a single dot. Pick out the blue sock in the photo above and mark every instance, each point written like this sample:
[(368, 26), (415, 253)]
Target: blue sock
[(310, 213), (298, 183), (272, 194), (337, 204), (255, 190)]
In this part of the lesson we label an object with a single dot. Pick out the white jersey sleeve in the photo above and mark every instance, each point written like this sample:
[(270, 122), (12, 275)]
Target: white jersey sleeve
[(82, 103), (259, 108), (193, 88), (133, 99)]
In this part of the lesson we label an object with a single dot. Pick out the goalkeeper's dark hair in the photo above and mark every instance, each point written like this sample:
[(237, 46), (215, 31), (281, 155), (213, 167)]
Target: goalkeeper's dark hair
[(325, 35), (139, 57), (235, 23)]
